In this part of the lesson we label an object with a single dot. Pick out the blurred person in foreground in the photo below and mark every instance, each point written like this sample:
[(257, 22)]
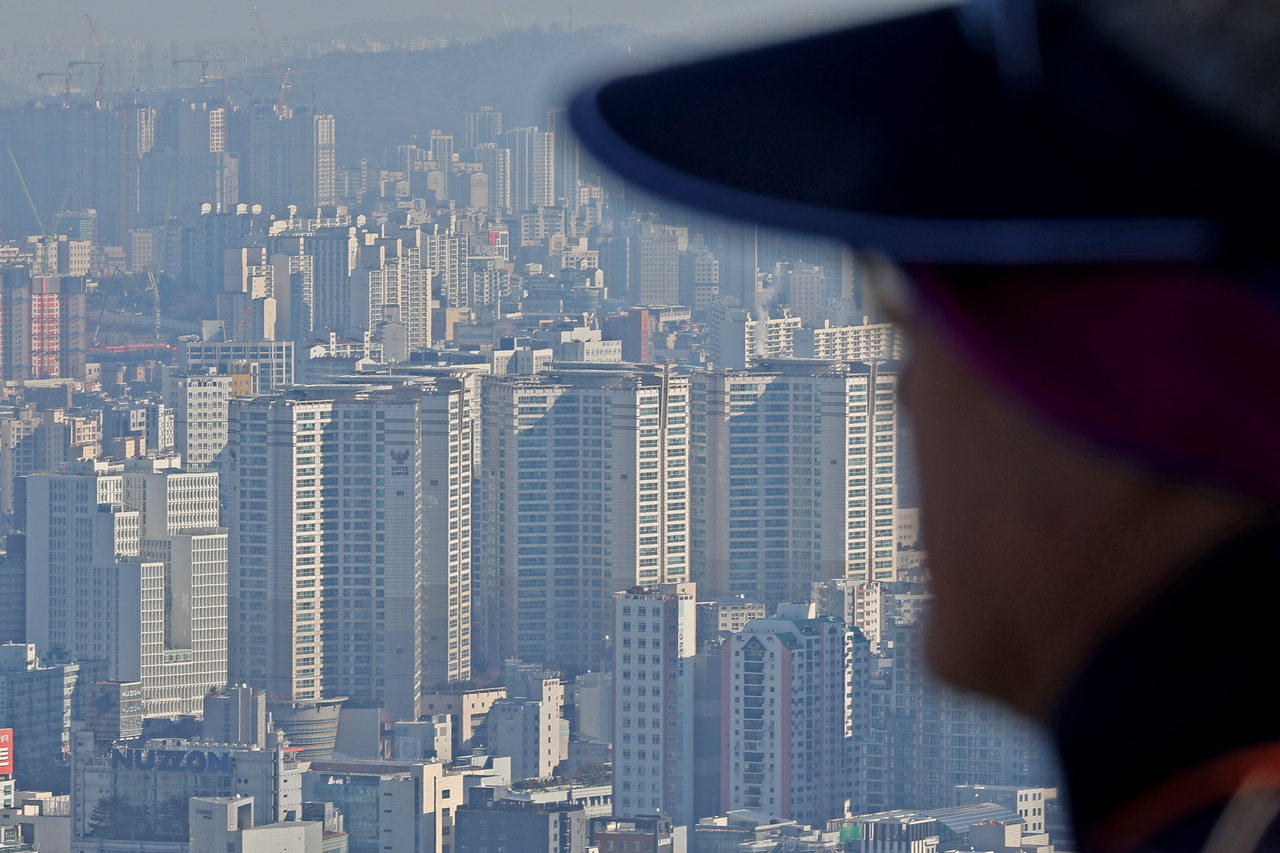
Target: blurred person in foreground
[(1077, 205)]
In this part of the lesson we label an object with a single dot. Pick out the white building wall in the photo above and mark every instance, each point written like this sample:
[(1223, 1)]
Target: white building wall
[(653, 701)]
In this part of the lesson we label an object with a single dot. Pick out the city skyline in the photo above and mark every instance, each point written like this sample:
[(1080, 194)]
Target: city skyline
[(458, 474)]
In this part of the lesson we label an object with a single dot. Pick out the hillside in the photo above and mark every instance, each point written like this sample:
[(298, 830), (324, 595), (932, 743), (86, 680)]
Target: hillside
[(381, 100)]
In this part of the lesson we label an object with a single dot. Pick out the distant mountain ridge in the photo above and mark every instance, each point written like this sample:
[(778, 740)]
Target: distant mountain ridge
[(431, 26), (381, 100)]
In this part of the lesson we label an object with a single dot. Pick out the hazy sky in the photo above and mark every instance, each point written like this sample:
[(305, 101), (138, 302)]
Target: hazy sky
[(217, 20)]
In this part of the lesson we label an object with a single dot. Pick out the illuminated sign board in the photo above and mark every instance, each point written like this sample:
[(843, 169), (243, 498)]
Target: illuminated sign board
[(171, 760)]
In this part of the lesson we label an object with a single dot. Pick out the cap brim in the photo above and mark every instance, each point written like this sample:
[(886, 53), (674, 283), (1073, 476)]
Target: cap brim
[(903, 136)]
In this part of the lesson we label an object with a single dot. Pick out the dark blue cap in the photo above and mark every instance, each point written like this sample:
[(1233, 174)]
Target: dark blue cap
[(998, 132)]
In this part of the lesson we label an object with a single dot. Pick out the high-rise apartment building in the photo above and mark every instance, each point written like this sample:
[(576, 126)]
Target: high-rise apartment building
[(199, 402), (441, 151), (31, 442), (533, 168), (584, 489), (264, 365), (783, 717), (204, 238), (804, 287), (793, 477), (659, 268), (567, 158), (351, 542), (483, 127), (654, 634), (321, 255), (495, 164), (926, 737), (42, 326), (445, 255), (92, 148), (127, 563), (391, 280), (291, 158)]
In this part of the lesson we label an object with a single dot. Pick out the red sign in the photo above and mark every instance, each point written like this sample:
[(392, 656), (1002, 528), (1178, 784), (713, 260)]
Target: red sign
[(6, 752)]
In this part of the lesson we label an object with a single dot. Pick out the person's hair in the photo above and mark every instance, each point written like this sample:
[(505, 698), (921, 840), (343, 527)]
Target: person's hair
[(1222, 55)]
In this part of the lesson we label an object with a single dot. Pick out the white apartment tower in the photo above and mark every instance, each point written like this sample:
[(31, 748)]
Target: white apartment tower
[(584, 487), (533, 168), (495, 162), (654, 633), (390, 276), (793, 477), (444, 259), (783, 710), (127, 562), (351, 548), (199, 402)]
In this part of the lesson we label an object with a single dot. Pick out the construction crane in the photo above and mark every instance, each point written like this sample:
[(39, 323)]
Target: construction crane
[(203, 62), (154, 288), (284, 84), (23, 183), (57, 217), (244, 318), (265, 41), (102, 71), (284, 81), (67, 75), (102, 51), (164, 248), (238, 75)]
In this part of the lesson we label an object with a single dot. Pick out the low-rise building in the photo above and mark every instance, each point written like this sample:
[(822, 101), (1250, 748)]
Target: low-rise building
[(405, 807), (219, 824), (721, 617), (468, 709), (890, 832), (522, 827), (39, 702), (36, 818), (157, 778), (638, 835)]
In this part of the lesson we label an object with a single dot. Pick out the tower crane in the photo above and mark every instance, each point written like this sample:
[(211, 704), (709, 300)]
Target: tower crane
[(22, 182), (203, 62), (102, 71), (265, 41), (102, 50), (66, 75)]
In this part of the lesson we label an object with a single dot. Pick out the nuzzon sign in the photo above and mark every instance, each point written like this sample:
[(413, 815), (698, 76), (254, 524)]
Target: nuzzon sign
[(171, 760)]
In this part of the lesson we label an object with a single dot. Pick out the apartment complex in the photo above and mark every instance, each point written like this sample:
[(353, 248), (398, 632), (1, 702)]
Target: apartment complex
[(127, 562), (584, 485), (793, 477), (351, 551)]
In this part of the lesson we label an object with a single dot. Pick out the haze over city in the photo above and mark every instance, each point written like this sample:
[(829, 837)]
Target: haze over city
[(379, 473)]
